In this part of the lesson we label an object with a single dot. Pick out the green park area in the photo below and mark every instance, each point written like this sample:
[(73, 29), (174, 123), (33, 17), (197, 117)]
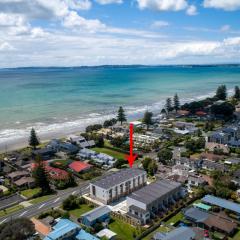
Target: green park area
[(114, 153)]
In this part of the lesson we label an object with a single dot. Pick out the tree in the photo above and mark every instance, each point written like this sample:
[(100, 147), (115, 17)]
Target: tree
[(152, 168), (168, 104), (165, 155), (121, 117), (17, 229), (147, 118), (99, 141), (146, 162), (237, 93), (176, 102), (33, 140), (70, 203), (41, 176), (221, 92), (225, 109)]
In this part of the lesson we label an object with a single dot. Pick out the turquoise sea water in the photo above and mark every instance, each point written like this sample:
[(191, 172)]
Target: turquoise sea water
[(63, 99)]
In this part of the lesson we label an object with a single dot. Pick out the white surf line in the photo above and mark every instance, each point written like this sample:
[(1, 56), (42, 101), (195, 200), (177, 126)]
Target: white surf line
[(4, 220), (56, 200), (23, 213), (73, 192), (42, 205)]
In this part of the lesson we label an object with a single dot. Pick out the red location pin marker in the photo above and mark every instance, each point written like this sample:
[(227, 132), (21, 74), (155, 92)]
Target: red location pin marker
[(131, 157)]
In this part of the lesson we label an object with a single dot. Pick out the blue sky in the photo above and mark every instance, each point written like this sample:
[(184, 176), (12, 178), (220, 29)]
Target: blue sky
[(95, 32)]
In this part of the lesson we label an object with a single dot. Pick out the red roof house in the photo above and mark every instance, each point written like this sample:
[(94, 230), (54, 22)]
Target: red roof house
[(78, 166)]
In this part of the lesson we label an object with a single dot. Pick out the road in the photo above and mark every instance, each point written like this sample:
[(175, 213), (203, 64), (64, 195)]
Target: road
[(53, 202)]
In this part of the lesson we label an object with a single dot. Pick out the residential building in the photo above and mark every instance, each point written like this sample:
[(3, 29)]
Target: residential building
[(79, 167), (45, 153), (181, 233), (59, 146), (222, 203), (14, 176), (25, 182), (141, 139), (213, 147), (86, 154), (66, 229), (116, 185), (81, 141), (152, 199), (101, 214), (193, 164), (211, 166), (195, 180), (106, 233)]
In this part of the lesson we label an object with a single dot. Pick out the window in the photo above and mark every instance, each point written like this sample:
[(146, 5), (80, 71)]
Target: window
[(94, 190)]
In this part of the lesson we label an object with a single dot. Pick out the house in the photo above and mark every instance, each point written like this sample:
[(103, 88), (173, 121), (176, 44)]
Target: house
[(66, 147), (101, 214), (79, 167), (86, 153), (217, 147), (181, 233), (116, 185), (196, 180), (45, 153), (211, 166), (213, 222), (14, 176), (180, 170), (142, 139), (66, 229), (152, 199), (232, 161), (106, 233), (25, 182), (183, 113), (222, 203), (103, 159), (81, 141), (41, 227), (190, 163), (211, 157)]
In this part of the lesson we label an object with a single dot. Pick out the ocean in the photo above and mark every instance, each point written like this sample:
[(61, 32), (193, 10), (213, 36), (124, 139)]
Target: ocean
[(59, 101)]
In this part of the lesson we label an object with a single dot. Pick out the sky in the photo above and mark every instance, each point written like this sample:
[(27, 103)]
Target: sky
[(99, 32)]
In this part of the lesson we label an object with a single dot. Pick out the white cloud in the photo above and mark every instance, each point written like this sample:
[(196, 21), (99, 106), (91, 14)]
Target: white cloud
[(192, 10), (159, 24), (228, 5), (5, 46), (104, 2), (79, 4), (73, 20), (163, 5), (7, 20)]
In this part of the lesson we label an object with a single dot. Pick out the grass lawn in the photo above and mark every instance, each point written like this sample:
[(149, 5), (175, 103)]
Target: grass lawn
[(10, 210), (62, 162), (113, 153), (175, 218), (79, 211), (29, 193), (122, 229), (40, 199)]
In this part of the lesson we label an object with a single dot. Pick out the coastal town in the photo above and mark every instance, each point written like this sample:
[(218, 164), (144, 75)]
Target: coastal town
[(184, 184)]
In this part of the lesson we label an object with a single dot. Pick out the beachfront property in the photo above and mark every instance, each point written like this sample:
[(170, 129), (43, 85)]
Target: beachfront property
[(152, 199), (99, 214), (116, 185), (59, 146), (141, 140), (66, 229), (81, 141)]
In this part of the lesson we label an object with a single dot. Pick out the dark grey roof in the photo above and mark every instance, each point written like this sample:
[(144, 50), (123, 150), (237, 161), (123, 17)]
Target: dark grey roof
[(154, 191), (181, 233), (96, 213), (137, 209), (118, 177), (195, 214)]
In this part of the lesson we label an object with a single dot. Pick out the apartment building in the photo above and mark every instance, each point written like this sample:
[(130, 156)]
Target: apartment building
[(116, 185)]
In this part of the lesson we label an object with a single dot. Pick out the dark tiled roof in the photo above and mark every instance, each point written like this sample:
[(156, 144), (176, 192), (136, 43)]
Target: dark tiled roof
[(118, 177)]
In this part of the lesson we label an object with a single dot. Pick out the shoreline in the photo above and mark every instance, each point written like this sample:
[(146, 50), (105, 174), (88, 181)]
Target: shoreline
[(75, 127)]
